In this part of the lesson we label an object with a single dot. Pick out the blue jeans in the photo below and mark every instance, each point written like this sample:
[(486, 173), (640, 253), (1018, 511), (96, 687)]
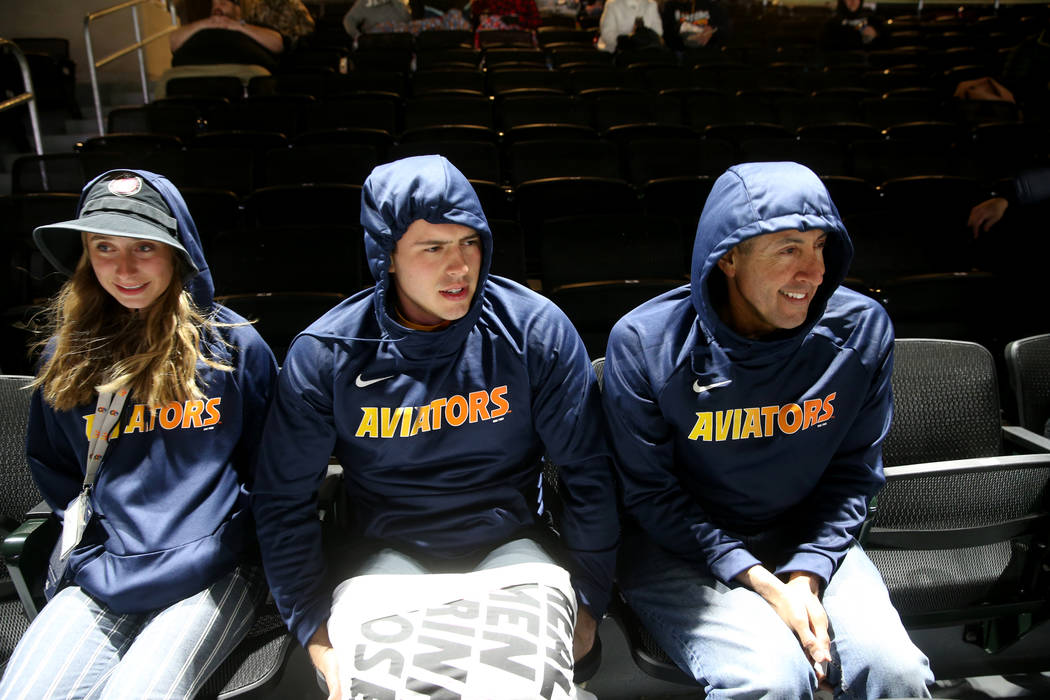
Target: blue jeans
[(78, 648), (392, 561), (732, 641)]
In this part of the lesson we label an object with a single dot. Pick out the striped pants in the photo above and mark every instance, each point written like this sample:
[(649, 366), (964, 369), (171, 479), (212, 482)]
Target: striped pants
[(77, 648)]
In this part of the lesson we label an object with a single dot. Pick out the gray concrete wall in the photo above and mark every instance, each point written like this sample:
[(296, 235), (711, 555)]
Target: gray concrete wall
[(65, 18)]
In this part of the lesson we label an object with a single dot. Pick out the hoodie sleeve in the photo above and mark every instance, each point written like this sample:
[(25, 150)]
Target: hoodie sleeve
[(567, 414), (838, 505), (353, 18), (52, 460), (1032, 186), (643, 448), (256, 376), (293, 460)]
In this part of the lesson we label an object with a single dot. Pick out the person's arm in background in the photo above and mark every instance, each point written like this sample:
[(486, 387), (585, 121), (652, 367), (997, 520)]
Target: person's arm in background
[(178, 37), (353, 18), (268, 38), (1029, 187)]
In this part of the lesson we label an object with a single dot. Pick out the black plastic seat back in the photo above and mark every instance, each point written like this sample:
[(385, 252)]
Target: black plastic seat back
[(614, 246), (534, 160), (52, 172), (346, 164), (280, 316), (946, 403), (20, 493), (1028, 365), (276, 260), (478, 160), (18, 496), (594, 307)]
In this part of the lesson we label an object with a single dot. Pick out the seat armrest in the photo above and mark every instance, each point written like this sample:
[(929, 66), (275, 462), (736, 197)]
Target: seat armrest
[(331, 499), (26, 552), (40, 510), (865, 526), (1022, 439)]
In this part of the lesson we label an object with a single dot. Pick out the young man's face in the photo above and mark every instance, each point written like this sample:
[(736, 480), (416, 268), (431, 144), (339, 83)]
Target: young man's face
[(435, 271), (772, 279)]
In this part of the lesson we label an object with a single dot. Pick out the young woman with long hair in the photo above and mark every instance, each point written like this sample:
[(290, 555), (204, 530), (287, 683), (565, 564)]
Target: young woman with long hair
[(143, 426)]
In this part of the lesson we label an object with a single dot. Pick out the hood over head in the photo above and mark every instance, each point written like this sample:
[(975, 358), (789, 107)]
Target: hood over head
[(399, 193), (750, 200), (131, 204)]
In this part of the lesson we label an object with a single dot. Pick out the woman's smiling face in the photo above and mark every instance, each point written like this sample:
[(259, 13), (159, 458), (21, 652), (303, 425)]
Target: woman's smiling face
[(134, 271)]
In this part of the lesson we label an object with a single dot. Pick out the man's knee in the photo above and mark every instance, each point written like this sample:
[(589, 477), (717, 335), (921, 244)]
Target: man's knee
[(890, 673), (785, 676)]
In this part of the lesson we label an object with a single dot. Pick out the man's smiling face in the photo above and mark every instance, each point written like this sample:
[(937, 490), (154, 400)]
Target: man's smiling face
[(772, 279)]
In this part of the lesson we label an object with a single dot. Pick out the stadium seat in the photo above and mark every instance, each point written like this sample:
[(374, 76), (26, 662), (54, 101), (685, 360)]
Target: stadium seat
[(53, 172), (1028, 368), (19, 496), (280, 316), (632, 247), (347, 164), (478, 160), (442, 80), (594, 307), (535, 160), (284, 259), (959, 532)]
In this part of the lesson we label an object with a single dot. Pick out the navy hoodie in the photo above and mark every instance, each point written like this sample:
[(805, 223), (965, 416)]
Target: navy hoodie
[(171, 512), (440, 433), (717, 436)]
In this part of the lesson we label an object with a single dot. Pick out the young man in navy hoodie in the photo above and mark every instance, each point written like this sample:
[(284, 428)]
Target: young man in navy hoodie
[(746, 412), (439, 390)]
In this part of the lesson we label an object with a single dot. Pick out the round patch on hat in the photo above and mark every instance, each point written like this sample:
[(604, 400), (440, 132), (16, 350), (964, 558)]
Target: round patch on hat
[(125, 186)]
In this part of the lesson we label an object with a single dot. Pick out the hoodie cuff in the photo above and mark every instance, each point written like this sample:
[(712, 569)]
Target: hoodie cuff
[(309, 622), (733, 563), (809, 562)]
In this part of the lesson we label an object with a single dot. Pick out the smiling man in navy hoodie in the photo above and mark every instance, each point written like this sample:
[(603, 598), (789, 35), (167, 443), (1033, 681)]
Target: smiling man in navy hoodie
[(746, 412), (439, 390)]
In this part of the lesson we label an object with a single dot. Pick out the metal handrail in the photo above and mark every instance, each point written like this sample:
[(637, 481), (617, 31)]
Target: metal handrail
[(139, 44), (28, 97)]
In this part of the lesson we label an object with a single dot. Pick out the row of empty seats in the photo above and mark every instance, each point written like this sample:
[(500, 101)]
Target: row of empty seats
[(245, 161), (600, 109)]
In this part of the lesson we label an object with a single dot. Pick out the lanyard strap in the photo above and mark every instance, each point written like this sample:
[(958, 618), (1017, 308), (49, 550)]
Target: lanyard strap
[(107, 413)]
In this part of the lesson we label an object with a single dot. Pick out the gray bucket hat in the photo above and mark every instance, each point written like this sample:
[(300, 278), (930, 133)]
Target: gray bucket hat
[(120, 204)]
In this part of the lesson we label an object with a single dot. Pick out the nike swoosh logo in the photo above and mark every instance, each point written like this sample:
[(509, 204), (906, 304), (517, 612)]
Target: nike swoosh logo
[(362, 383), (701, 389)]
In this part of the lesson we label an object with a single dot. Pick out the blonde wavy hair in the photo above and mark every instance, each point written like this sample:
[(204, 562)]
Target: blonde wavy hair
[(95, 344)]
